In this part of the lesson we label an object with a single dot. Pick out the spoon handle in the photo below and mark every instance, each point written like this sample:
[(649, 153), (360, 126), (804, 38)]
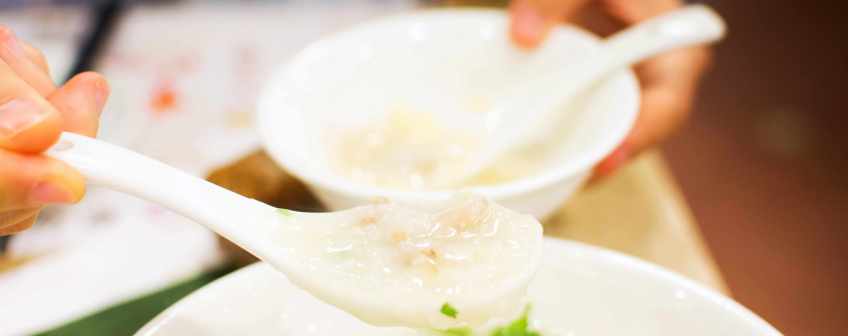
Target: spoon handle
[(117, 168), (692, 25)]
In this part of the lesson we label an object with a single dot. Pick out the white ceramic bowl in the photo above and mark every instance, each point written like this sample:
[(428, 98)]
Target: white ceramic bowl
[(435, 61), (580, 290)]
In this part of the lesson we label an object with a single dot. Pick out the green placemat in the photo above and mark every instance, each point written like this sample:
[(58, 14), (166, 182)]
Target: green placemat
[(127, 318)]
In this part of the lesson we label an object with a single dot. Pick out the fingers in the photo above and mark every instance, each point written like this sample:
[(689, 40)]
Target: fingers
[(531, 20), (37, 57), (528, 27), (669, 84), (612, 162), (13, 53), (630, 12), (30, 181), (668, 81), (16, 221), (19, 226), (28, 123), (663, 110), (80, 102)]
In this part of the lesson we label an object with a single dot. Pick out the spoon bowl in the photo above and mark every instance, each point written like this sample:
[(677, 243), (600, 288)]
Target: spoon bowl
[(468, 254)]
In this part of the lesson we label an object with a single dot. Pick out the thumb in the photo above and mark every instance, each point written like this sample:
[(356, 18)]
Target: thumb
[(527, 25), (531, 20), (80, 102)]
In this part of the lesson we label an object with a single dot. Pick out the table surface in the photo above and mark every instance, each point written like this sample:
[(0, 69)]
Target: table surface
[(641, 212)]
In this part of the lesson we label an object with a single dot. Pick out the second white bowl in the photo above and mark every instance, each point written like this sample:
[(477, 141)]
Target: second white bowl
[(579, 290), (437, 61)]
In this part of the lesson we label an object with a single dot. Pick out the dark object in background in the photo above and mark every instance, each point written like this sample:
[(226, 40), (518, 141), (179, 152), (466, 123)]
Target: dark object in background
[(103, 18)]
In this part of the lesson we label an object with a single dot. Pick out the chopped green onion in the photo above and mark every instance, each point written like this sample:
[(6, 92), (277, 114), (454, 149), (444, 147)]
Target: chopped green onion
[(462, 331), (449, 310), (519, 327)]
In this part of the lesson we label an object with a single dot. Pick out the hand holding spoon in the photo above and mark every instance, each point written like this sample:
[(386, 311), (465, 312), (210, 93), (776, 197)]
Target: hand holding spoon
[(386, 264), (522, 117)]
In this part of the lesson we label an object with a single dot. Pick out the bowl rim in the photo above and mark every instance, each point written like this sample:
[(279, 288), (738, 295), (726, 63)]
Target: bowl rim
[(269, 106), (596, 255)]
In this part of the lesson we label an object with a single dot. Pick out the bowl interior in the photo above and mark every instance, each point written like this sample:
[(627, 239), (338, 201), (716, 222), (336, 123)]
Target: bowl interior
[(450, 63), (580, 290)]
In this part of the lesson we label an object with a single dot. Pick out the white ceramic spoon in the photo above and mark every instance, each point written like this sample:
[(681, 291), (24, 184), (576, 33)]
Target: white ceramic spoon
[(528, 113), (384, 263)]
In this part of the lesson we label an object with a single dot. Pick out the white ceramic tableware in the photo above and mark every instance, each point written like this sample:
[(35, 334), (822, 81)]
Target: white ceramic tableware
[(579, 290), (439, 62), (342, 256), (525, 114)]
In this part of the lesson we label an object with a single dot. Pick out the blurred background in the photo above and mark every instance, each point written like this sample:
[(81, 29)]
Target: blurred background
[(760, 164)]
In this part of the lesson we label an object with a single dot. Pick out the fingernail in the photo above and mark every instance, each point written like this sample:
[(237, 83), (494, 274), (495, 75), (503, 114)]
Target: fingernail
[(101, 92), (50, 193), (529, 26), (17, 115), (613, 161)]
